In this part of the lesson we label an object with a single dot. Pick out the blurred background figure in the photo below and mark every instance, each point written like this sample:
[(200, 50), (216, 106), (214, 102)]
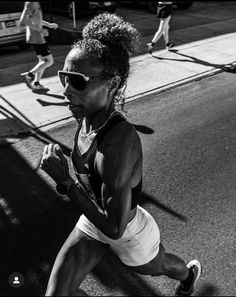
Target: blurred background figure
[(164, 9), (32, 18)]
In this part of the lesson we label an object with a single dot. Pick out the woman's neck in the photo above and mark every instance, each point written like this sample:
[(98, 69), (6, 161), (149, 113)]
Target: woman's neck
[(96, 120)]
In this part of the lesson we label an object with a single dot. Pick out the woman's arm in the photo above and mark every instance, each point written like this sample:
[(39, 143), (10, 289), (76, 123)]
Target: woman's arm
[(120, 150), (49, 25), (25, 19), (114, 162)]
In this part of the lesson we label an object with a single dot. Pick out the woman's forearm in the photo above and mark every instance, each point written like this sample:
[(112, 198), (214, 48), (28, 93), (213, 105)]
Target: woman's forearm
[(46, 24), (92, 211)]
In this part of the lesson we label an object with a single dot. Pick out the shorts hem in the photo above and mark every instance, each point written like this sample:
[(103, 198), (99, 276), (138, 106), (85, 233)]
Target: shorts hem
[(132, 264)]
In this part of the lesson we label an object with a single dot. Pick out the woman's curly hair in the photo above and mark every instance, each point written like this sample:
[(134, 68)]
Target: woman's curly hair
[(112, 40)]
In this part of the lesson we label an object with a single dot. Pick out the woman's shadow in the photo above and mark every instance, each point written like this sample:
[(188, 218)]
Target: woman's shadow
[(47, 103), (230, 67)]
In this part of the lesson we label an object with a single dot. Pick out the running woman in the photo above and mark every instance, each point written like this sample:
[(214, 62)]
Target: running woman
[(107, 161), (164, 9), (32, 18)]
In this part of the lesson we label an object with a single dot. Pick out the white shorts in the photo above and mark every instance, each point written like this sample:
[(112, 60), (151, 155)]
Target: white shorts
[(138, 245)]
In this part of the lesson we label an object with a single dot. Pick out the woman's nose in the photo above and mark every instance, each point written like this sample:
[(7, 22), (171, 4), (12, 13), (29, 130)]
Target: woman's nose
[(67, 91)]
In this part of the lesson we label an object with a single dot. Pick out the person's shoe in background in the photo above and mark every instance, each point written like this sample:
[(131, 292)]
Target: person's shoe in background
[(150, 48), (28, 77), (37, 87), (169, 45)]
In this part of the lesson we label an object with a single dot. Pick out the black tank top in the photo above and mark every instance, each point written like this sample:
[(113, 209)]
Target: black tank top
[(84, 168)]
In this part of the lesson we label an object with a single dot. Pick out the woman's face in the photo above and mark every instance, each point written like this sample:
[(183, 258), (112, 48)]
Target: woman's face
[(95, 96)]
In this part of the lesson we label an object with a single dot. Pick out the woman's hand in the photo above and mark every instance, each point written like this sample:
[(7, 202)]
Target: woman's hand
[(54, 163), (53, 26), (44, 31)]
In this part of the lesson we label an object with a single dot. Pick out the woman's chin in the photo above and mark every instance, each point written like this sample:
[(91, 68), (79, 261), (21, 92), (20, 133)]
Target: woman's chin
[(76, 112)]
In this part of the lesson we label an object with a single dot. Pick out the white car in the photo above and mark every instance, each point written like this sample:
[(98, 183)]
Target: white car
[(11, 33)]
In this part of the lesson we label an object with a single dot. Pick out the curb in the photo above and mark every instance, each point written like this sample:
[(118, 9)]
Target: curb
[(176, 84)]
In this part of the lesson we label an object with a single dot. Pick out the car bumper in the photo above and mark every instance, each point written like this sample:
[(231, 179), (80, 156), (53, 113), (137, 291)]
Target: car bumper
[(12, 39)]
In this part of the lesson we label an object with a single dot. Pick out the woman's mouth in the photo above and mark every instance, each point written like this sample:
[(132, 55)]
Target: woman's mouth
[(74, 108)]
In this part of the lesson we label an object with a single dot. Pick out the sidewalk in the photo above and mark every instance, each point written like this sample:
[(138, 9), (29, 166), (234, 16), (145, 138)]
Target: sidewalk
[(22, 110)]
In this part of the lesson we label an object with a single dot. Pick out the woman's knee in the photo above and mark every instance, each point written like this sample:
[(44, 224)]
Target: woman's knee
[(49, 61)]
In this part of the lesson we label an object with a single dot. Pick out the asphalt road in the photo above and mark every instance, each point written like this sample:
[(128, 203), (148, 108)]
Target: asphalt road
[(188, 137)]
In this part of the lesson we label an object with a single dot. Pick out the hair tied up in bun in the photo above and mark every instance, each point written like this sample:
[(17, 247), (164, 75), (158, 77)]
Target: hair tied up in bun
[(112, 31)]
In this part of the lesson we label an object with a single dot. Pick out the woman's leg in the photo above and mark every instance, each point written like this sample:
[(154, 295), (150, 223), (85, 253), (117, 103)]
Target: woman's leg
[(157, 36), (44, 63), (159, 32), (164, 264), (77, 257), (166, 27)]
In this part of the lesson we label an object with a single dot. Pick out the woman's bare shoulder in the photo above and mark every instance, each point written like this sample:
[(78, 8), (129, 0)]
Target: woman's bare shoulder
[(122, 136)]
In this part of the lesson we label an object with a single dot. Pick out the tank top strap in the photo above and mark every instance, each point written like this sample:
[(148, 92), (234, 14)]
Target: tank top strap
[(112, 122)]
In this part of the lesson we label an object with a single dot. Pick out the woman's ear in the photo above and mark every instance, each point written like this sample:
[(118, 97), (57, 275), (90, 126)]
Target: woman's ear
[(115, 83)]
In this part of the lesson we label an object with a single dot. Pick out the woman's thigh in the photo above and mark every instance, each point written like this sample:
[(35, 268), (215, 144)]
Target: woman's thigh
[(48, 58), (77, 257), (154, 267), (166, 21), (161, 25)]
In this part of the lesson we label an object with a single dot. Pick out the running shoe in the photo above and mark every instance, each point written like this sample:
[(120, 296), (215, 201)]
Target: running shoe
[(28, 77), (186, 289), (150, 48), (169, 45), (37, 87)]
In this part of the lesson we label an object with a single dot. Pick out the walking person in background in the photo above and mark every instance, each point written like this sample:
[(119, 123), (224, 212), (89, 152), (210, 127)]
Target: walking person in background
[(164, 9), (32, 19), (107, 161)]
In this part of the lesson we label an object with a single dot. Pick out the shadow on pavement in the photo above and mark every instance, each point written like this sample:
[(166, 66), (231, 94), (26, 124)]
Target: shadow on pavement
[(148, 198), (143, 129), (32, 224), (27, 128), (53, 95), (208, 290), (46, 103), (114, 274), (224, 67)]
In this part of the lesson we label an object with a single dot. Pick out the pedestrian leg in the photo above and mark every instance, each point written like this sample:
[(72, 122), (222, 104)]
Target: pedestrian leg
[(157, 36)]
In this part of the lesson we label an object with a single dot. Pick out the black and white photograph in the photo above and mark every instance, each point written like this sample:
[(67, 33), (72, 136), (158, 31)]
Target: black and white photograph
[(118, 148)]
